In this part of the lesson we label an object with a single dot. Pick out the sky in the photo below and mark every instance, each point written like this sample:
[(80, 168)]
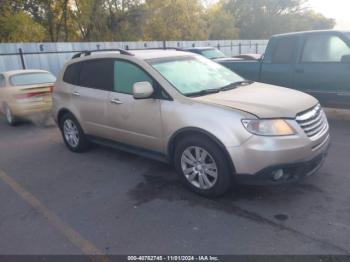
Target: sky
[(338, 9)]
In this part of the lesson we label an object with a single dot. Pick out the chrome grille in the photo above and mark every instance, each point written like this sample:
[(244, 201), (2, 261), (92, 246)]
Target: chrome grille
[(313, 121)]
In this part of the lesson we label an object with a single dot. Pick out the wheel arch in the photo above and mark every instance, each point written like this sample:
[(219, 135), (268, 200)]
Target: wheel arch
[(61, 113), (187, 131)]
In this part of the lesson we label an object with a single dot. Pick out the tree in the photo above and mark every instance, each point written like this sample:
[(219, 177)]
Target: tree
[(221, 23), (175, 20), (125, 18), (132, 20), (17, 26), (263, 18), (90, 19), (53, 15), (310, 20), (109, 20)]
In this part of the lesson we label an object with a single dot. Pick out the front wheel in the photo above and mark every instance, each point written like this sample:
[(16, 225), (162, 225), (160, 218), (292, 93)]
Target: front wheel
[(73, 135), (203, 166)]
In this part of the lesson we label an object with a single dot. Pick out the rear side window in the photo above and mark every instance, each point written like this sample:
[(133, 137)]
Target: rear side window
[(126, 75), (324, 48), (32, 79), (97, 74), (72, 73), (284, 50)]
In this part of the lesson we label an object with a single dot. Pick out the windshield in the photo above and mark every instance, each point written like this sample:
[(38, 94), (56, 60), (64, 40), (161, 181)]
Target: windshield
[(194, 74), (32, 79), (213, 53)]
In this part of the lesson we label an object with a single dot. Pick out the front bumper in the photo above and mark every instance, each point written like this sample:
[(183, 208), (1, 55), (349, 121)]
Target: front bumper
[(258, 160), (291, 172)]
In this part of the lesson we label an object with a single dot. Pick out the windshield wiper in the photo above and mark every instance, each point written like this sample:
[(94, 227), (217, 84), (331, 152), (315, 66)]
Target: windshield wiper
[(236, 84), (224, 88), (204, 92)]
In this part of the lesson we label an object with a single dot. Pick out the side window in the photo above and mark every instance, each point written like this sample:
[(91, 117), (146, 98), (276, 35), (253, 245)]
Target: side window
[(126, 74), (2, 81), (71, 75), (97, 74), (324, 48), (284, 50)]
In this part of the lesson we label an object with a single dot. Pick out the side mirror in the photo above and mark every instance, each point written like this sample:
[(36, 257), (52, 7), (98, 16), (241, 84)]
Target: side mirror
[(345, 59), (142, 90)]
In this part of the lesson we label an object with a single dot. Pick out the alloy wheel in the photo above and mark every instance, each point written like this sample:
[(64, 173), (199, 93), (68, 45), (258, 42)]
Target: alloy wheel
[(71, 133), (199, 167)]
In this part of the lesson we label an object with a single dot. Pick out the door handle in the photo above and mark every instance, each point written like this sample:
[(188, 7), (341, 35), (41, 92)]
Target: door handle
[(299, 71), (76, 93), (116, 101)]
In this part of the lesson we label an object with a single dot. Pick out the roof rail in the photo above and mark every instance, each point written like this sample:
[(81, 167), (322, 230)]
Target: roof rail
[(88, 52), (160, 48)]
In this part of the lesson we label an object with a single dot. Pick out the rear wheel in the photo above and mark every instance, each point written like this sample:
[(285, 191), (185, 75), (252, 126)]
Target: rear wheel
[(203, 166), (73, 135), (9, 117)]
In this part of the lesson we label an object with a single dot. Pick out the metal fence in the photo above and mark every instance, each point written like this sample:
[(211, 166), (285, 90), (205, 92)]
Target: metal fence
[(52, 56)]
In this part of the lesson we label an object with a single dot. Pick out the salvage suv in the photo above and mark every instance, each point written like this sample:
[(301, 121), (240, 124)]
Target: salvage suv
[(181, 108)]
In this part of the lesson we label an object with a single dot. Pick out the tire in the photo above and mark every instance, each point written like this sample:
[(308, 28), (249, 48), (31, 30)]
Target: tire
[(9, 117), (72, 134), (198, 174)]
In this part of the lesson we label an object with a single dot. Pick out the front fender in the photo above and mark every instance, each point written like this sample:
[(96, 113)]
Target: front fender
[(223, 123)]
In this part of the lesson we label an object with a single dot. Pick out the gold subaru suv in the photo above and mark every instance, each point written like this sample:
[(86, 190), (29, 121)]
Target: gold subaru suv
[(178, 107)]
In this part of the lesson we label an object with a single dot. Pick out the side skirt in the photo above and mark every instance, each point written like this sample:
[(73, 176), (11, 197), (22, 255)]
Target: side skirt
[(130, 149)]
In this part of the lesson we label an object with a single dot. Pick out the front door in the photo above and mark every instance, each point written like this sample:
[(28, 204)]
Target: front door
[(321, 71), (132, 121)]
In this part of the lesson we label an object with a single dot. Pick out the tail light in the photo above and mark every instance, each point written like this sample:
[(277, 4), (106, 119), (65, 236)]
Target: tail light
[(29, 95), (34, 93)]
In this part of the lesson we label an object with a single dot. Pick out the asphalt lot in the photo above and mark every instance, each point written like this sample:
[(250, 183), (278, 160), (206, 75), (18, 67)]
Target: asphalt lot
[(55, 202)]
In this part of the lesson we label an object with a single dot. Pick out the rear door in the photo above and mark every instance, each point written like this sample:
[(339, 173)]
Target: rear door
[(320, 70), (90, 96), (135, 122), (278, 66)]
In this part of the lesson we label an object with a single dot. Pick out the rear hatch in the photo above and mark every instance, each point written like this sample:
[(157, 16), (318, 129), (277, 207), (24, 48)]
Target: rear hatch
[(34, 94)]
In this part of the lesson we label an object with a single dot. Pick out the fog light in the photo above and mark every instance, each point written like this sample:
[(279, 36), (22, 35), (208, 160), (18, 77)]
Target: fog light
[(278, 174)]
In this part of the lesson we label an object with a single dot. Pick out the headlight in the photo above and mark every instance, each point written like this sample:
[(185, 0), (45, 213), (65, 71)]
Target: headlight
[(273, 127)]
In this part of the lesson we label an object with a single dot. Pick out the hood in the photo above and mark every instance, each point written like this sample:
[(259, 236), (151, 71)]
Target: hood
[(262, 100)]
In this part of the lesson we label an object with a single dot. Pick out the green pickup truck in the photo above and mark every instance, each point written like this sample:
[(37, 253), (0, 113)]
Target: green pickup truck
[(315, 62)]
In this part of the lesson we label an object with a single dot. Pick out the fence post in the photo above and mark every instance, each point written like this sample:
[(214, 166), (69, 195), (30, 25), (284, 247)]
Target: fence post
[(164, 44), (22, 58), (256, 48), (240, 48), (231, 46)]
